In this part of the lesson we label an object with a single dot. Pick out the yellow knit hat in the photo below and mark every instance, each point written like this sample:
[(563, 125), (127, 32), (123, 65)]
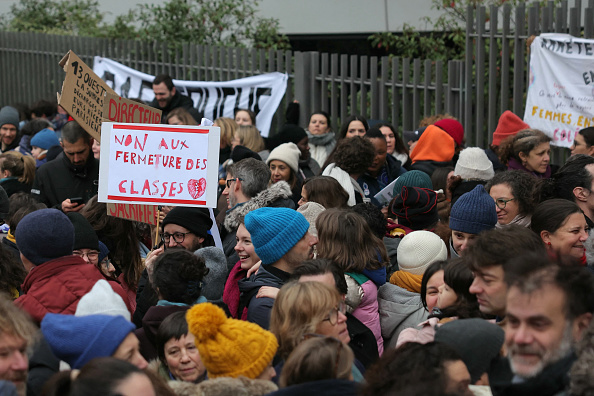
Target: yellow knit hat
[(230, 347)]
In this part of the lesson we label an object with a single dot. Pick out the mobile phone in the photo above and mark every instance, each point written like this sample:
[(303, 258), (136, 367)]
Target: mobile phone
[(77, 200)]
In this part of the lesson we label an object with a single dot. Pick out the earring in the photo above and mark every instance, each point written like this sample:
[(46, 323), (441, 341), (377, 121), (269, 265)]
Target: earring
[(549, 243)]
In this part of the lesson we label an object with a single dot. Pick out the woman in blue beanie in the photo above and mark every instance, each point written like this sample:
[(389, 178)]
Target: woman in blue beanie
[(472, 213)]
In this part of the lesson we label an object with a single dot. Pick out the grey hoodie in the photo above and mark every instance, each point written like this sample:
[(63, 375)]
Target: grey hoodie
[(399, 309)]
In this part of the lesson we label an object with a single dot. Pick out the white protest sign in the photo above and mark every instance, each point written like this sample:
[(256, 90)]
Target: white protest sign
[(159, 164), (262, 94), (560, 99)]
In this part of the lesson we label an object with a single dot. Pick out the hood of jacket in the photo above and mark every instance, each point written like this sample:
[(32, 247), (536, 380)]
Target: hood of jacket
[(398, 309), (214, 281), (434, 145), (224, 386), (153, 318), (330, 387), (280, 190)]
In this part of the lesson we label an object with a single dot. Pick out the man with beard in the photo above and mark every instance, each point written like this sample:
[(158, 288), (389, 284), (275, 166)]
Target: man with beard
[(9, 128), (17, 333), (167, 98), (73, 174), (281, 239), (548, 309)]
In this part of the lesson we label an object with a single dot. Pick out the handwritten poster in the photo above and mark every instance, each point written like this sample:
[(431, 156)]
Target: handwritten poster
[(157, 164), (118, 109), (560, 99), (134, 212), (83, 93), (262, 93)]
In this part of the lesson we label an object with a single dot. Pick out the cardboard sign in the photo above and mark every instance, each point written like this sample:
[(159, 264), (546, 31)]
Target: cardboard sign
[(134, 212), (159, 164), (83, 94), (118, 109)]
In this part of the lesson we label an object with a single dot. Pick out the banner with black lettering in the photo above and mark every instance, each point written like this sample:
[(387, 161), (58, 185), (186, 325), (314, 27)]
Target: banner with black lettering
[(262, 93), (560, 99)]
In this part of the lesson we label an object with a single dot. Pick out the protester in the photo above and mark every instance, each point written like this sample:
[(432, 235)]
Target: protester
[(228, 127), (472, 214), (41, 143), (17, 336), (508, 125), (324, 190), (489, 259), (399, 301), (284, 166), (245, 117), (430, 284), (79, 339), (321, 138), (180, 116), (513, 194), (583, 142), (99, 377), (396, 147), (9, 128), (354, 125), (17, 171), (473, 168), (168, 98), (562, 226), (179, 358), (308, 167), (282, 241), (539, 358), (529, 151), (435, 149)]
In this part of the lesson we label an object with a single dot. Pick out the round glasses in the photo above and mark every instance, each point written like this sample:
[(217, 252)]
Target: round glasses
[(178, 237), (333, 315)]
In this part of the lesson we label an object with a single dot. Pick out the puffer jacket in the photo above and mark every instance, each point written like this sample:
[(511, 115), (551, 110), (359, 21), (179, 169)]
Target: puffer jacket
[(399, 309), (58, 285)]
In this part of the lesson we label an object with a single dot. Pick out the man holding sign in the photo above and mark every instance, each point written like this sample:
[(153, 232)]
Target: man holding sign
[(70, 180)]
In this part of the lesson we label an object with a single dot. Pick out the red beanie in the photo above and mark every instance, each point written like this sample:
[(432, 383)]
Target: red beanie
[(453, 128), (509, 124)]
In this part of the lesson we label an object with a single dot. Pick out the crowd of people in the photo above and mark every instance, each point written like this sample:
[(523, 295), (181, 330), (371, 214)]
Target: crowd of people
[(355, 261)]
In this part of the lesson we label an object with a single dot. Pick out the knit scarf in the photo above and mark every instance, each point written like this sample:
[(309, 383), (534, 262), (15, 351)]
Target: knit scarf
[(165, 303), (10, 236), (520, 220), (407, 281)]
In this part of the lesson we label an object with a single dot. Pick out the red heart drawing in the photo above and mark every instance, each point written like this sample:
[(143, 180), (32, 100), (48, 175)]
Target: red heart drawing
[(197, 188)]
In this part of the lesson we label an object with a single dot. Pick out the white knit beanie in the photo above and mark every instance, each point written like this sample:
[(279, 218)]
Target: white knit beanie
[(288, 153), (473, 164), (418, 250), (311, 211), (102, 300)]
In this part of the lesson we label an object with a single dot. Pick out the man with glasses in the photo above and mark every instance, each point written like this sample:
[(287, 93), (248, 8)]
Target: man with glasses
[(57, 279)]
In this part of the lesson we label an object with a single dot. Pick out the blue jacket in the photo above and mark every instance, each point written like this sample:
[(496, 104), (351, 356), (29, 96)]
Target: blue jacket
[(258, 308), (371, 185)]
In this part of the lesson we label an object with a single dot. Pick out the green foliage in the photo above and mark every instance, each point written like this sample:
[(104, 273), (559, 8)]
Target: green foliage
[(209, 22)]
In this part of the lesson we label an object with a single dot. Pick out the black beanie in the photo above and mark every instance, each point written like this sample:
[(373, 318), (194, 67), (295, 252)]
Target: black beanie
[(196, 220), (85, 236), (241, 152), (415, 207), (291, 134)]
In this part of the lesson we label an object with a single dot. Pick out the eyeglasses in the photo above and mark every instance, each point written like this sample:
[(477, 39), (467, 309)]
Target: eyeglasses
[(232, 180), (178, 237), (333, 315), (92, 255), (339, 346), (502, 203)]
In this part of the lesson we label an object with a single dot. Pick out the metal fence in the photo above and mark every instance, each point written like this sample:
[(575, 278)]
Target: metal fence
[(492, 77)]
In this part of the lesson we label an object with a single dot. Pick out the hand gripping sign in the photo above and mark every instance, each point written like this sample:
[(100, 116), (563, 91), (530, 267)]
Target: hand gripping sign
[(159, 164)]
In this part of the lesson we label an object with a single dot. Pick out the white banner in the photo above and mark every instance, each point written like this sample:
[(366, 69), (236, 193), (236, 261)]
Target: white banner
[(560, 99), (262, 94)]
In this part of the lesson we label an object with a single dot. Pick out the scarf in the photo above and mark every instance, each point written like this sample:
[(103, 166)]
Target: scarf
[(165, 303), (11, 237), (520, 220), (407, 281), (320, 140), (514, 164)]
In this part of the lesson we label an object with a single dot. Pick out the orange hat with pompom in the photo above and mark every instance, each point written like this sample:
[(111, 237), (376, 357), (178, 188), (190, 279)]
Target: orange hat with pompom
[(230, 347)]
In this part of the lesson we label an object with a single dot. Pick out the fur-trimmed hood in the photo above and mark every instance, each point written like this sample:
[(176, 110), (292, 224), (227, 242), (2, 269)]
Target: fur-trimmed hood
[(240, 386), (279, 190)]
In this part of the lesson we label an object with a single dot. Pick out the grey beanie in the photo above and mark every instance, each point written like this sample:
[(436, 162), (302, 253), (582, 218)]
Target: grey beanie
[(9, 115)]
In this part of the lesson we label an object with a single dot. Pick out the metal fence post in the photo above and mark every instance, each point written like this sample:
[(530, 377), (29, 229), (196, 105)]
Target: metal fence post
[(302, 85)]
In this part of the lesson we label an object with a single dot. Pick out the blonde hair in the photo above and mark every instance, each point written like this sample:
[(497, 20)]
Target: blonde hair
[(19, 165), (298, 309), (16, 322), (249, 136), (316, 359), (184, 116), (345, 238), (228, 128)]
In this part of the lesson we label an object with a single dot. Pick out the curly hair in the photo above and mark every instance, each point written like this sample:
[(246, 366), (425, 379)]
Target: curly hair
[(522, 186), (523, 142), (178, 276), (120, 237), (354, 155)]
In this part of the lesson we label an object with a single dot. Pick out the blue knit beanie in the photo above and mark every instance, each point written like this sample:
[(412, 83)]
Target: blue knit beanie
[(474, 212), (413, 178), (45, 139), (78, 339), (45, 235), (275, 231)]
